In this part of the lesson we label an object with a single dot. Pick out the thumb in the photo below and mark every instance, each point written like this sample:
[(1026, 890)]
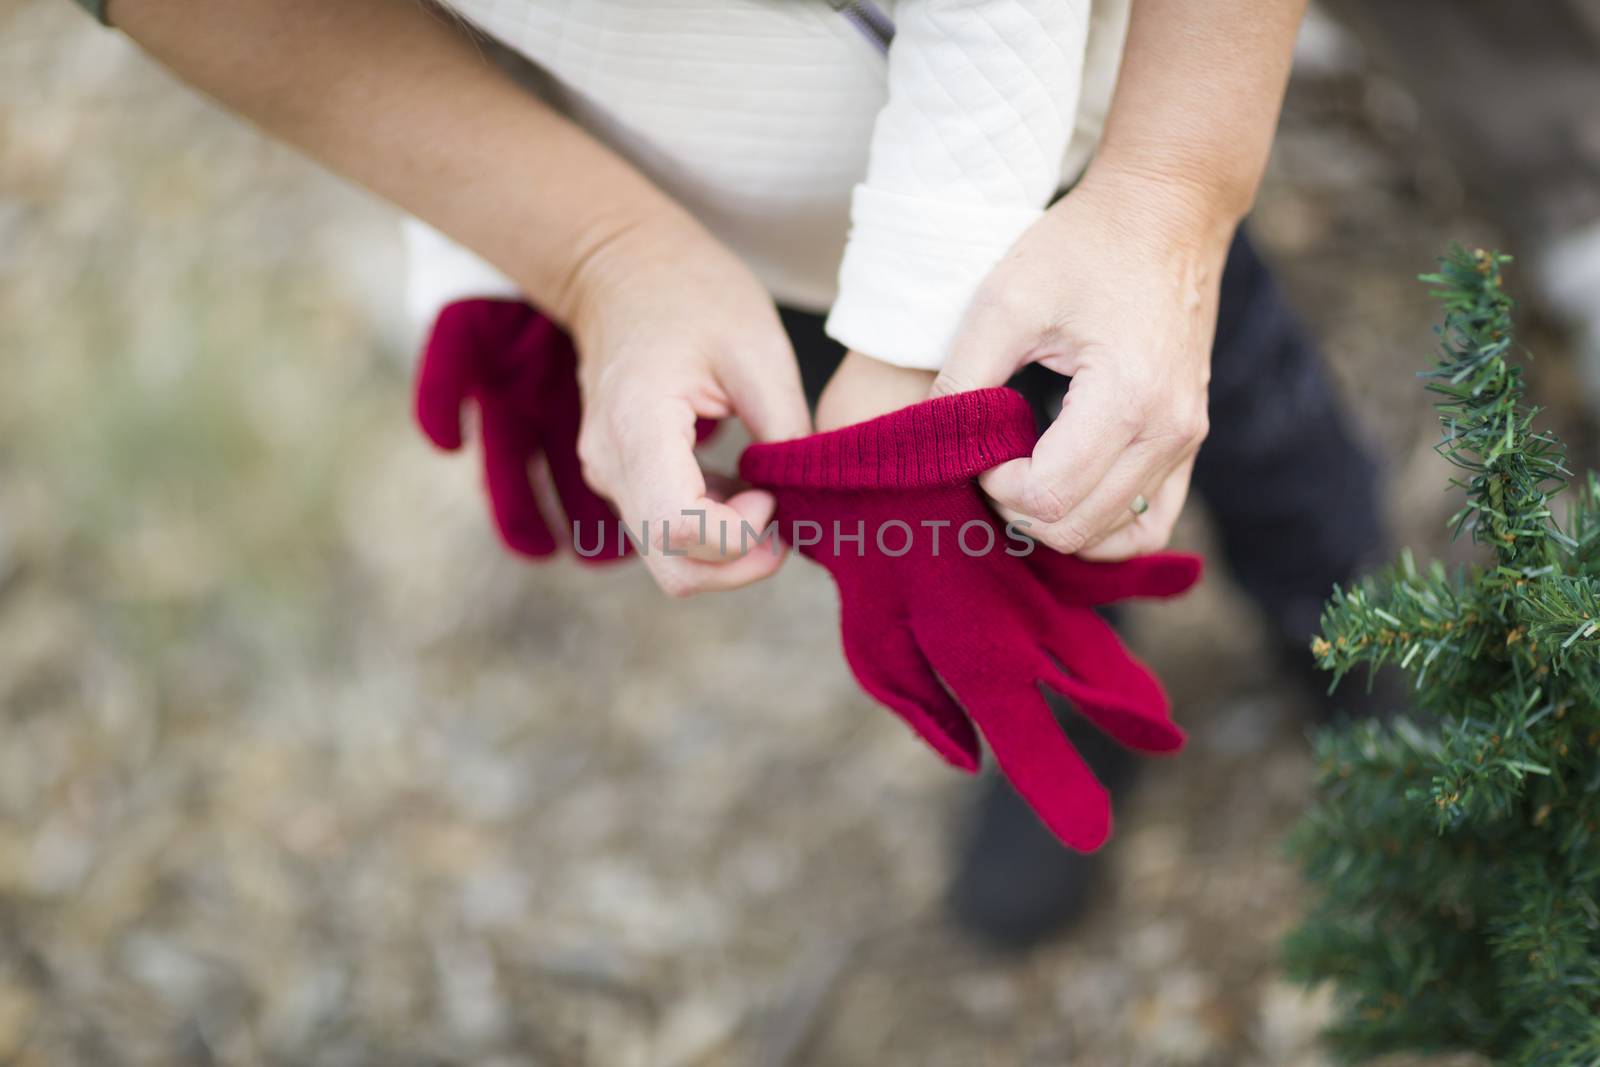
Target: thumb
[(988, 348)]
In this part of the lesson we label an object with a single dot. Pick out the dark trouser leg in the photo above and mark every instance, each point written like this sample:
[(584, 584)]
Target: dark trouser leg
[(819, 354), (1293, 494)]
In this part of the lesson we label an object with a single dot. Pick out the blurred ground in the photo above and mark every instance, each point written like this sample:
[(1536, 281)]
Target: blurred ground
[(297, 768)]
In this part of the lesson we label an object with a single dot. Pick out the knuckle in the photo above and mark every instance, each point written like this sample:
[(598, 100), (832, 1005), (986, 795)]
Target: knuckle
[(1131, 419), (1182, 429), (1192, 426), (1054, 541), (1043, 501), (594, 464), (962, 378), (1069, 535), (682, 531), (948, 383)]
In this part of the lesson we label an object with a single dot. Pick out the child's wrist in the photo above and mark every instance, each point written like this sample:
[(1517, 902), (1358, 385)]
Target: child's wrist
[(864, 388)]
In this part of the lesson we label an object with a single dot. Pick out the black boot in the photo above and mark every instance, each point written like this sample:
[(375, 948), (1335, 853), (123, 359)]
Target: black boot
[(1015, 884)]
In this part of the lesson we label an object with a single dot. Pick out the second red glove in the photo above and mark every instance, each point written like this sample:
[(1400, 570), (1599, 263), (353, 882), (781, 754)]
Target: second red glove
[(522, 371)]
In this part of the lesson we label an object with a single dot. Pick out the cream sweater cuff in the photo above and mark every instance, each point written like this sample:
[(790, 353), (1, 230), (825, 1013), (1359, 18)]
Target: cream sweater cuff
[(910, 269)]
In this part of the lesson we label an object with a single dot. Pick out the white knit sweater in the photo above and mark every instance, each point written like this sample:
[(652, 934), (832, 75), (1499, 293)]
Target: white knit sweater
[(883, 190)]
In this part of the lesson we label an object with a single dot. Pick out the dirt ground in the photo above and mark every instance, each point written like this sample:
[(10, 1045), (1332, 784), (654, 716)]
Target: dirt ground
[(297, 768)]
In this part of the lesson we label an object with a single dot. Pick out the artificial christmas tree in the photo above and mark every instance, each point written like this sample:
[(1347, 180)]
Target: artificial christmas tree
[(1454, 853)]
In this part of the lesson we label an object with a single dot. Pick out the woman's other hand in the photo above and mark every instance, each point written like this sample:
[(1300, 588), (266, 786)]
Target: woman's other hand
[(1116, 287), (671, 327)]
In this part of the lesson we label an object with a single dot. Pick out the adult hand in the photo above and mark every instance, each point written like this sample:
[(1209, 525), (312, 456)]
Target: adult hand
[(1116, 287), (671, 327)]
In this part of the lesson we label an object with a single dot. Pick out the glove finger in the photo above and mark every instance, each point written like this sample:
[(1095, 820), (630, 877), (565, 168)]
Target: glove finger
[(531, 356), (509, 446), (450, 366), (1081, 581), (885, 659), (466, 339), (992, 671), (1106, 683), (595, 530)]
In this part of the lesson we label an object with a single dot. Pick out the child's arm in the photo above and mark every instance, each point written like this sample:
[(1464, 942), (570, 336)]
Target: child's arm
[(983, 98), (670, 325)]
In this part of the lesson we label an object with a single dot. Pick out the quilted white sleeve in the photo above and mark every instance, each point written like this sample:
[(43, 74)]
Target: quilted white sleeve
[(983, 97)]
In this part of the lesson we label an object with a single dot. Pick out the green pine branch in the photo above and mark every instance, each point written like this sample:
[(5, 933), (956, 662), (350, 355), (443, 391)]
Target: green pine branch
[(1511, 470), (1454, 855)]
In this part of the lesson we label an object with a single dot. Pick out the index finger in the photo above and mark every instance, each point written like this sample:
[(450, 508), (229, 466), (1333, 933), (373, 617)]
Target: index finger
[(1070, 458), (663, 488)]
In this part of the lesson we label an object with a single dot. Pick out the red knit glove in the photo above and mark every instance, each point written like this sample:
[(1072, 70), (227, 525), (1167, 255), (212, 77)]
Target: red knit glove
[(522, 371), (969, 615)]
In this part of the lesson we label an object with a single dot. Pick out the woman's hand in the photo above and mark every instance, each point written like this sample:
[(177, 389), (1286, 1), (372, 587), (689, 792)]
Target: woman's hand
[(1115, 287), (671, 327)]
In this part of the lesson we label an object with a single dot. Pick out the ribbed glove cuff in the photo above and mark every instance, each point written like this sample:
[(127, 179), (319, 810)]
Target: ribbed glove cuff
[(938, 442)]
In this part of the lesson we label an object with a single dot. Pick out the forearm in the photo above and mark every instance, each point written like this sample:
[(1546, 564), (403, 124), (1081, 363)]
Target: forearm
[(397, 98), (1197, 103)]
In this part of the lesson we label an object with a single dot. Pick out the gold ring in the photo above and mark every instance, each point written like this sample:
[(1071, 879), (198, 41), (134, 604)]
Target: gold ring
[(1140, 505)]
